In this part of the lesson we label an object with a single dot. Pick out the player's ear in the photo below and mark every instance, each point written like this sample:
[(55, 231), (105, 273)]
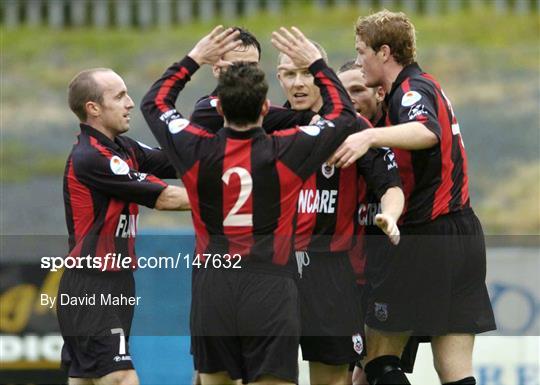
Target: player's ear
[(265, 107), (219, 109), (92, 109), (385, 52), (216, 70), (379, 94)]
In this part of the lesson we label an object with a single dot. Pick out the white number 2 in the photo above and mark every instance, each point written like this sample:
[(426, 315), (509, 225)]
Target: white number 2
[(246, 185), (122, 347)]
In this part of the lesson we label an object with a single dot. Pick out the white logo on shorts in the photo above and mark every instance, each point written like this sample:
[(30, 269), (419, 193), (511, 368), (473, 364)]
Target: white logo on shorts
[(381, 311)]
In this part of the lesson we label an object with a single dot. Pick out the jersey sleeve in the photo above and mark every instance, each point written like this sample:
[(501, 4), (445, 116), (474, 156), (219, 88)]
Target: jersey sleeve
[(418, 104), (110, 175), (152, 160), (205, 114), (379, 169), (181, 139), (305, 148), (279, 118)]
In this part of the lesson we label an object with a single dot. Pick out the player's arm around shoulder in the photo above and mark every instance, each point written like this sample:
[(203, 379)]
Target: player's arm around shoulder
[(173, 198), (417, 127)]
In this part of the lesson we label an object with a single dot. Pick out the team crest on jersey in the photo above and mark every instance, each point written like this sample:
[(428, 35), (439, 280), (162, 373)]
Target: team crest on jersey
[(119, 166), (327, 170), (381, 311), (358, 343), (409, 98), (213, 103), (177, 125)]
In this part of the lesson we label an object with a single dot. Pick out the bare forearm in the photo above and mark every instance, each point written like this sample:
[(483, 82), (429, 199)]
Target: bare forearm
[(392, 202), (407, 136), (173, 198)]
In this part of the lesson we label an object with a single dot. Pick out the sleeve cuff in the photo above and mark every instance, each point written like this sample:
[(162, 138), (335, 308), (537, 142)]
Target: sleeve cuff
[(190, 64), (317, 65)]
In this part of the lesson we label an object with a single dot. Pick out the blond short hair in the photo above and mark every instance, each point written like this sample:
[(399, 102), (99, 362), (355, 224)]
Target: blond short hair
[(391, 28)]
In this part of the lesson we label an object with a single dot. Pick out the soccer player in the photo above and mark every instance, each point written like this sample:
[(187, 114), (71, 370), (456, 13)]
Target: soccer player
[(367, 101), (205, 113), (107, 175), (329, 301), (434, 284), (243, 186)]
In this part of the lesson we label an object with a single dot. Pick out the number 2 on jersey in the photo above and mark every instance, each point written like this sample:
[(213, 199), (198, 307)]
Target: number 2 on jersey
[(246, 186)]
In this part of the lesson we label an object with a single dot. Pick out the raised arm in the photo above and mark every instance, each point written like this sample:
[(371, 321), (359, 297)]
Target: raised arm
[(178, 137), (307, 148)]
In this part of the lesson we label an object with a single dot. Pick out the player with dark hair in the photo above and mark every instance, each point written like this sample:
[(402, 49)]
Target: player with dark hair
[(329, 301), (368, 101), (434, 283), (205, 113), (107, 176), (243, 186)]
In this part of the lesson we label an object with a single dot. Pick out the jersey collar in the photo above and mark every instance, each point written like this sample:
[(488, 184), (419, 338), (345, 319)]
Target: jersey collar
[(102, 138), (252, 133), (407, 72)]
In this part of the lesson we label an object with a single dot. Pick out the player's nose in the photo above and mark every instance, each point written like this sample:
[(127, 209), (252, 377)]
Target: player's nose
[(298, 82), (129, 104)]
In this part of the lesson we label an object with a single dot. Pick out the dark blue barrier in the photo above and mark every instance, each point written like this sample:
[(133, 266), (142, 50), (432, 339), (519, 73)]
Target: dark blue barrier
[(160, 334)]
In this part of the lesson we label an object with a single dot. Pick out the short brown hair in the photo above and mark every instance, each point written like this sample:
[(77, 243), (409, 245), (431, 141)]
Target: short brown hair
[(391, 28), (83, 88)]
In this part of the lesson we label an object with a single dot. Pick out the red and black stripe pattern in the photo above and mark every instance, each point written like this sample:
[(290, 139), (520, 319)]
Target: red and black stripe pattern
[(327, 206), (104, 181), (243, 186), (435, 180), (205, 114)]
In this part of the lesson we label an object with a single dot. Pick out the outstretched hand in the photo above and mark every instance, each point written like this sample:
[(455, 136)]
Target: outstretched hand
[(295, 45), (212, 47), (352, 148), (389, 226)]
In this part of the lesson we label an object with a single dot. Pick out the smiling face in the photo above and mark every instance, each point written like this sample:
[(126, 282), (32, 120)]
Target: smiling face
[(298, 86), (365, 100), (113, 113), (371, 63)]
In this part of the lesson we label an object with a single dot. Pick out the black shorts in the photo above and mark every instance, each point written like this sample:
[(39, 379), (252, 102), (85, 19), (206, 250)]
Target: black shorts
[(330, 308), (245, 323), (95, 332), (433, 282)]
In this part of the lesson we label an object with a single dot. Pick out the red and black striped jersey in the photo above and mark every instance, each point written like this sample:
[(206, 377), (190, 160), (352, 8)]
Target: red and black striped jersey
[(243, 187), (327, 206), (435, 180), (278, 118), (369, 205), (104, 181)]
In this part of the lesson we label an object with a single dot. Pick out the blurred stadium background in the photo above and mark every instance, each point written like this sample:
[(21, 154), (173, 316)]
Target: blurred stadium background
[(486, 54)]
